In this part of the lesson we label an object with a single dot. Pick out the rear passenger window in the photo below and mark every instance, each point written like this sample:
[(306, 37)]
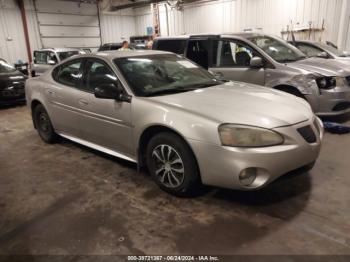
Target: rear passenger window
[(70, 73), (98, 74), (175, 46)]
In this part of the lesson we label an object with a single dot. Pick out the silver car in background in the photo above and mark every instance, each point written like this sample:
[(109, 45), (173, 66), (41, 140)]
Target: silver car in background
[(269, 61), (168, 114), (45, 58), (322, 50)]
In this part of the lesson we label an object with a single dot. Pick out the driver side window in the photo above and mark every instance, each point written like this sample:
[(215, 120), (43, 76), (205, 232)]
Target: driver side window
[(97, 74), (234, 54)]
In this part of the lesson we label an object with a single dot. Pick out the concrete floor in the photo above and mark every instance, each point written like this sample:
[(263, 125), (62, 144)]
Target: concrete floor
[(68, 199)]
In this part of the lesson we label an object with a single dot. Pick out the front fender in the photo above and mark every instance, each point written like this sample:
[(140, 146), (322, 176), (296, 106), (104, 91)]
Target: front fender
[(148, 113)]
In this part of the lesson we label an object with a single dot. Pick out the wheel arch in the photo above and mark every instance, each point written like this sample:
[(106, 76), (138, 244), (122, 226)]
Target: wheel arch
[(150, 132), (290, 89), (33, 104)]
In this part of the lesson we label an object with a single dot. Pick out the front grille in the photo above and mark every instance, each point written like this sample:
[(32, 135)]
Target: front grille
[(341, 106), (307, 133)]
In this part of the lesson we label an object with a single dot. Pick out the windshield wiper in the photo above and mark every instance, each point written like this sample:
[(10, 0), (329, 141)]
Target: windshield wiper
[(169, 91), (203, 85), (292, 60)]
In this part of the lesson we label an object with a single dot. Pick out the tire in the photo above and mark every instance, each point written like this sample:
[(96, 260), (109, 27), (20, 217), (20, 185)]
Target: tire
[(43, 124), (172, 165)]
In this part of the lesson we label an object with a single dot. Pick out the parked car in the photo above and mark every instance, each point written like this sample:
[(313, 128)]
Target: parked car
[(44, 59), (322, 50), (117, 46), (11, 84), (269, 61), (110, 46), (138, 46), (164, 112)]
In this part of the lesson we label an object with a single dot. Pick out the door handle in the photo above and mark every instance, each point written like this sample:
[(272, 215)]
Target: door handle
[(83, 102)]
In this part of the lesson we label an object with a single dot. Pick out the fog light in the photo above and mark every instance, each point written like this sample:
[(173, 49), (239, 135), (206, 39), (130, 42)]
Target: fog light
[(248, 176)]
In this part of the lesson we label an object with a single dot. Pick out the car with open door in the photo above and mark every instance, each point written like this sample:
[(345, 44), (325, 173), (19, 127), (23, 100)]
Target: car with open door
[(44, 59), (174, 118), (269, 61)]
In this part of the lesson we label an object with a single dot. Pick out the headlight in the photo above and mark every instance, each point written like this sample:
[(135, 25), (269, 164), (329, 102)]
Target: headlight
[(326, 82), (248, 136)]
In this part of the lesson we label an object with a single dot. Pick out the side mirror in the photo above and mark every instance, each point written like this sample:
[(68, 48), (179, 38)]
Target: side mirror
[(111, 91), (51, 62), (256, 62), (322, 55)]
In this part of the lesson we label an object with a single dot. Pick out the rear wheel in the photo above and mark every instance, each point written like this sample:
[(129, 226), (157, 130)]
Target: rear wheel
[(172, 165), (43, 124)]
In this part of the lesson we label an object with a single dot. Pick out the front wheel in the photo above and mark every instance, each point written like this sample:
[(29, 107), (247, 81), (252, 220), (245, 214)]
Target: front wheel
[(172, 165), (43, 124)]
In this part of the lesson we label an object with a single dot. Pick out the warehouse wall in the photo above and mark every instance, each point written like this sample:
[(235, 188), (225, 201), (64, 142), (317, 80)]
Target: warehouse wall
[(210, 16), (272, 16), (117, 26), (143, 19), (12, 42)]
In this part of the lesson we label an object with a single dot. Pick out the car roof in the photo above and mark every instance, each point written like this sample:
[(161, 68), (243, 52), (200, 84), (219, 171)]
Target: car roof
[(228, 34), (117, 43), (120, 54), (59, 49)]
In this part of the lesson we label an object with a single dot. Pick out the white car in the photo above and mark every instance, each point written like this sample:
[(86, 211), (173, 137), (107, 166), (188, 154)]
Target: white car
[(44, 59)]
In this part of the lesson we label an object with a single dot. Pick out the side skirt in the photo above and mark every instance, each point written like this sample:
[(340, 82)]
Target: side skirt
[(97, 147)]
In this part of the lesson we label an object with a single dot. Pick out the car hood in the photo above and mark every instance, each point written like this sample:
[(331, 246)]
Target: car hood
[(11, 78), (325, 67), (241, 103), (344, 60)]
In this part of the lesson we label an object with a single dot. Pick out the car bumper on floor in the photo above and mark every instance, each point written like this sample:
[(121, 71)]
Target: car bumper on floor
[(221, 166)]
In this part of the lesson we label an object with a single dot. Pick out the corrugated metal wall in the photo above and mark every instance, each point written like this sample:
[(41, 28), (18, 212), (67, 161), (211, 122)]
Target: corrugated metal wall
[(272, 16), (117, 26), (211, 16), (143, 19)]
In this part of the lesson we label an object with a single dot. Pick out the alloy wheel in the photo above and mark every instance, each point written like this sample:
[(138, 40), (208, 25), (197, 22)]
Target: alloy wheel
[(169, 166)]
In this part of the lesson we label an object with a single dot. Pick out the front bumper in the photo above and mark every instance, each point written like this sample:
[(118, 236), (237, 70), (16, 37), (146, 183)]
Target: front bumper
[(333, 102), (220, 166)]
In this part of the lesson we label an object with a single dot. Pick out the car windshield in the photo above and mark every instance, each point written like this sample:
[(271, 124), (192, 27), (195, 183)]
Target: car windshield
[(279, 50), (153, 75), (65, 55), (5, 67), (334, 50)]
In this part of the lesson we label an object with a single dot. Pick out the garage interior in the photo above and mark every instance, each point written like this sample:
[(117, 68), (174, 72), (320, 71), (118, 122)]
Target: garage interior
[(66, 199)]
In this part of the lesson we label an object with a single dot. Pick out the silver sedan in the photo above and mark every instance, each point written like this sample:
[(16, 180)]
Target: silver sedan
[(175, 119)]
